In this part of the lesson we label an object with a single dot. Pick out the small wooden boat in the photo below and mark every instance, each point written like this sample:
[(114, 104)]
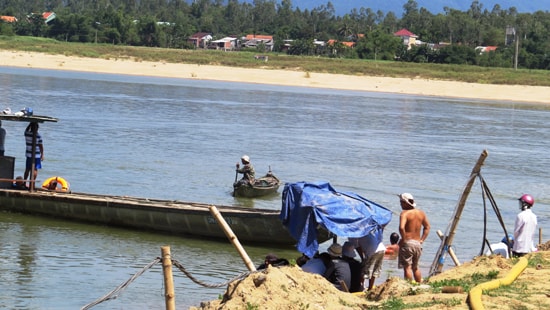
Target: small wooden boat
[(266, 185)]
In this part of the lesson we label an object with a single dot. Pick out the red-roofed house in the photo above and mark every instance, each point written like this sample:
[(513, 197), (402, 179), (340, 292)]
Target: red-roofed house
[(253, 40), (259, 37), (335, 46), (200, 39), (8, 19), (48, 16), (409, 38), (486, 49), (345, 43)]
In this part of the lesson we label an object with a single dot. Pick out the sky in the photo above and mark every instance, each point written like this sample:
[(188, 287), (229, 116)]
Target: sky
[(434, 6)]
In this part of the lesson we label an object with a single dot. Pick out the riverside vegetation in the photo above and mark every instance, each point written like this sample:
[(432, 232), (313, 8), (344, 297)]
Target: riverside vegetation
[(245, 59)]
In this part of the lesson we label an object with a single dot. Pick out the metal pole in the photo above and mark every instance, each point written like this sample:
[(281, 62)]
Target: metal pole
[(169, 294)]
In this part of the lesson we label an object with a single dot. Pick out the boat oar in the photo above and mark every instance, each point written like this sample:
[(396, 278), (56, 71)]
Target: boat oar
[(236, 176)]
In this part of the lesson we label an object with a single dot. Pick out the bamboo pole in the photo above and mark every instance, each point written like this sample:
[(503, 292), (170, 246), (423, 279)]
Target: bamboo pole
[(231, 236), (439, 259), (540, 235), (169, 295)]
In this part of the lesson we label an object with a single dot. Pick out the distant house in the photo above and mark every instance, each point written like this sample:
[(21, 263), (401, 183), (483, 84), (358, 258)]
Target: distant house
[(485, 49), (332, 44), (286, 45), (345, 43), (253, 40), (409, 38), (200, 39), (319, 43), (8, 19), (224, 44), (48, 16), (259, 37)]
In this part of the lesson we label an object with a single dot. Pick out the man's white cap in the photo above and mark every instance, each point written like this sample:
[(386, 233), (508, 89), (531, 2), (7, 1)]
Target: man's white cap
[(408, 198), (246, 158)]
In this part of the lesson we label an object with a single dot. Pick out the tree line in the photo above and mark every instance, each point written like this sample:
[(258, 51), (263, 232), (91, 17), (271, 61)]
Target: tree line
[(451, 36)]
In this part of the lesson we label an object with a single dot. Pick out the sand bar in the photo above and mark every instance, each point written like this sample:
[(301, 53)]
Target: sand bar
[(517, 93)]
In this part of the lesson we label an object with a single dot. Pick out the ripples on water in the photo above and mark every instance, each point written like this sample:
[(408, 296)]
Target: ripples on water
[(180, 139)]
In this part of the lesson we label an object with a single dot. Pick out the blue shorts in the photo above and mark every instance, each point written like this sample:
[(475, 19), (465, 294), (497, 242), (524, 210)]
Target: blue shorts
[(37, 163)]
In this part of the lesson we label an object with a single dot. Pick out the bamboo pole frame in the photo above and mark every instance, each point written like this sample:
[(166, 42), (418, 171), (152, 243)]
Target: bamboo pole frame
[(447, 239)]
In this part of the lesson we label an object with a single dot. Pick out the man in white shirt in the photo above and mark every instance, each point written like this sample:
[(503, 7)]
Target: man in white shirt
[(524, 228)]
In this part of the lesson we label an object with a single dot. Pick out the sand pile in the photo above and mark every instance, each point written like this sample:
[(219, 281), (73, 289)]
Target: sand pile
[(285, 288), (291, 288)]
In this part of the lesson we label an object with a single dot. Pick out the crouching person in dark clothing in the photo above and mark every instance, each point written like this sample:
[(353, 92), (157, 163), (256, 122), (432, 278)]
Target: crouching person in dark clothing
[(338, 273)]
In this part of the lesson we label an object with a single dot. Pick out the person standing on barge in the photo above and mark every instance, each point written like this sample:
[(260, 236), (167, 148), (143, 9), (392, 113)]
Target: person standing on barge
[(38, 152)]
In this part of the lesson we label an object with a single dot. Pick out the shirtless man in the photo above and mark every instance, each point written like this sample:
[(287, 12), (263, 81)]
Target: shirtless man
[(411, 221)]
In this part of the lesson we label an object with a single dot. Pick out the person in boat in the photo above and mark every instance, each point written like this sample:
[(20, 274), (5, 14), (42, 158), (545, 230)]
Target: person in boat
[(524, 227), (414, 228), (393, 248), (38, 152), (247, 171), (273, 261)]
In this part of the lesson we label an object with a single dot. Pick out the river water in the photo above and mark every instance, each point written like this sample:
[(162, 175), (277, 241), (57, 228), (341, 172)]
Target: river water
[(180, 139)]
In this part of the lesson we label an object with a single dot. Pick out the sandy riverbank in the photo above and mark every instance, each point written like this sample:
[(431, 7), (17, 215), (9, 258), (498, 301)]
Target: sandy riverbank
[(533, 94)]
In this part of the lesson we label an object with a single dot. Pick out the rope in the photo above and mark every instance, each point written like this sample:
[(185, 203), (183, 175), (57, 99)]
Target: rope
[(119, 289), (197, 281)]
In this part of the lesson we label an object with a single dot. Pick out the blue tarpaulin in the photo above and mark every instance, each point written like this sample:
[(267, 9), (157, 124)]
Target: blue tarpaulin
[(345, 214)]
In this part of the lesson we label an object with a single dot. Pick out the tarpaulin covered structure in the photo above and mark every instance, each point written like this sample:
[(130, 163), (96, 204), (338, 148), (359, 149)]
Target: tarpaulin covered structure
[(305, 206)]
